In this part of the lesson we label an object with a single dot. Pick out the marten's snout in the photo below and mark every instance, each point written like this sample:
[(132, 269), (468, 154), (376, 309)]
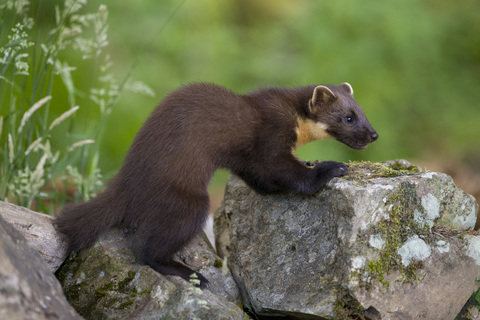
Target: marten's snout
[(374, 137)]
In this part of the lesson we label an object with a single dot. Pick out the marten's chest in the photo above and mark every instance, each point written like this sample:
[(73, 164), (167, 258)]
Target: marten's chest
[(308, 130)]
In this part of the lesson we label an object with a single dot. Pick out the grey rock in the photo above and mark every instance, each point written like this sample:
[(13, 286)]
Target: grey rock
[(386, 241), (108, 282), (37, 228), (28, 288)]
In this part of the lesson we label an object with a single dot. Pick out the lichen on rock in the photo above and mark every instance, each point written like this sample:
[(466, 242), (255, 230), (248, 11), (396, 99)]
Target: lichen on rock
[(414, 249), (473, 249), (373, 233)]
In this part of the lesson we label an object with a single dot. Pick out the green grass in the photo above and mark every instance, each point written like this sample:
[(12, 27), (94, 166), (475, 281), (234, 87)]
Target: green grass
[(35, 172), (413, 65)]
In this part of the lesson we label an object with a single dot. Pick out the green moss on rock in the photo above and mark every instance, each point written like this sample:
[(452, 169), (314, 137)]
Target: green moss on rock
[(395, 231), (218, 263), (125, 305), (359, 170), (348, 308), (122, 284)]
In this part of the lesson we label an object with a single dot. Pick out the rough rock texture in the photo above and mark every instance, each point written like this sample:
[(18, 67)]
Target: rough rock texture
[(38, 230), (28, 288), (108, 282), (383, 242)]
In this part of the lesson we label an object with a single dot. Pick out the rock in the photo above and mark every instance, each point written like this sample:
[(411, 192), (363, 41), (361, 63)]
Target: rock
[(37, 228), (108, 282), (384, 242), (28, 288)]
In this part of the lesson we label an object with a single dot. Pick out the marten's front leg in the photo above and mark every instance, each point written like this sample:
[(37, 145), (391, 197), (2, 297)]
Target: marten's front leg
[(289, 174)]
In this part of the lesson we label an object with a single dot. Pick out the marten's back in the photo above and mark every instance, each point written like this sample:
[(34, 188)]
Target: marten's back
[(186, 134)]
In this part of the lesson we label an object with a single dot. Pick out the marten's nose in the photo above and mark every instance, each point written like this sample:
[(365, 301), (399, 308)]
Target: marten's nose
[(374, 136)]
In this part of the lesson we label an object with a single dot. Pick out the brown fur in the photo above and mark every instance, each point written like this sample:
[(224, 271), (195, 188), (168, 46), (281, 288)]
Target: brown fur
[(161, 189)]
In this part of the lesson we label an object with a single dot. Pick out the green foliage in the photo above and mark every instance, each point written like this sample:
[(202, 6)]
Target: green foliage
[(471, 308), (477, 298), (35, 171), (413, 64)]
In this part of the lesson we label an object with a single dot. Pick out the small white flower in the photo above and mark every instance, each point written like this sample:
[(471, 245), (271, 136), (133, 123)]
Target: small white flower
[(30, 111), (33, 146), (39, 171), (62, 117), (11, 152), (140, 87), (80, 143)]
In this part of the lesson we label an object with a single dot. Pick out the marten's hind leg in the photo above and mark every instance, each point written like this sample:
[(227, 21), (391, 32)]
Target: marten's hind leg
[(174, 268), (168, 234)]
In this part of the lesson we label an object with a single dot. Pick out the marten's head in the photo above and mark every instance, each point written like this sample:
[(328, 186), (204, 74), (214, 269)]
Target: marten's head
[(334, 113)]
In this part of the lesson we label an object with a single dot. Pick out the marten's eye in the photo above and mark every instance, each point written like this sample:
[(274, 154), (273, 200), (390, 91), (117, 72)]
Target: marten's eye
[(349, 119)]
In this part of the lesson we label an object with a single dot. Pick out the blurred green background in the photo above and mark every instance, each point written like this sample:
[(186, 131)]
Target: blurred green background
[(414, 66)]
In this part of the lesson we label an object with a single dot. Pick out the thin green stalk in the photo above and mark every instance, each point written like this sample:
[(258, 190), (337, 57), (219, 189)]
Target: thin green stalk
[(28, 158)]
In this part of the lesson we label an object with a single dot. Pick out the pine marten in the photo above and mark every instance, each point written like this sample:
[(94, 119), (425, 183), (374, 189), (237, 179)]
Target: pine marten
[(161, 189)]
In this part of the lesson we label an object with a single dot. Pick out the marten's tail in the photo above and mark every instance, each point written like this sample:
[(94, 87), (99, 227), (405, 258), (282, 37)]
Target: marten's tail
[(83, 223)]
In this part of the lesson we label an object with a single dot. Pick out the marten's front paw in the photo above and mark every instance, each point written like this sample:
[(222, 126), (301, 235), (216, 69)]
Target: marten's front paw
[(341, 170), (332, 168)]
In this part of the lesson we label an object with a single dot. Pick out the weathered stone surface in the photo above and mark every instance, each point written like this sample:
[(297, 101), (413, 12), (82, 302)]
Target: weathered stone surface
[(38, 230), (28, 288), (108, 282), (380, 242)]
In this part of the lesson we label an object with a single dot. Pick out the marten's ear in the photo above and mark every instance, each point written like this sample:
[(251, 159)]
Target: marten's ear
[(347, 87), (322, 96)]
